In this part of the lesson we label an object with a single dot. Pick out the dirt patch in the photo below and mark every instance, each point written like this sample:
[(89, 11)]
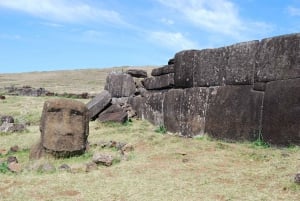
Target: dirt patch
[(68, 193)]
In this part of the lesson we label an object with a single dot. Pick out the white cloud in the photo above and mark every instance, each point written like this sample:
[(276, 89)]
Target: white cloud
[(218, 16), (293, 11), (63, 10), (175, 41), (167, 21)]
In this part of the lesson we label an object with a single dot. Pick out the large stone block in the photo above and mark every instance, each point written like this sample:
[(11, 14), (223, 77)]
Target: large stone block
[(281, 116), (172, 109), (193, 111), (98, 104), (163, 70), (241, 63), (120, 84), (159, 82), (138, 104), (64, 129), (234, 113), (278, 58), (184, 65), (210, 66), (153, 108)]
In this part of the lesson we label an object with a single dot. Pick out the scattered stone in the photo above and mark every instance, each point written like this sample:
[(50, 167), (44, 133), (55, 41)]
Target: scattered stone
[(15, 148), (103, 159), (7, 119), (297, 178), (64, 129), (114, 113), (120, 84), (14, 167), (12, 159), (126, 147), (137, 73), (46, 168), (12, 127), (98, 104), (64, 167), (91, 166)]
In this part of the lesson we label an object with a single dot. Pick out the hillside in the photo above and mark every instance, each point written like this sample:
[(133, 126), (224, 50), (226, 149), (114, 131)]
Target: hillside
[(161, 166)]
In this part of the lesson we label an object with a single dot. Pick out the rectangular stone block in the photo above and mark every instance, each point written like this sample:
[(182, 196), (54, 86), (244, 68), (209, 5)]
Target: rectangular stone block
[(193, 110), (281, 116), (234, 113), (98, 104), (241, 63), (172, 109), (159, 82), (278, 58), (209, 67), (163, 70), (184, 68)]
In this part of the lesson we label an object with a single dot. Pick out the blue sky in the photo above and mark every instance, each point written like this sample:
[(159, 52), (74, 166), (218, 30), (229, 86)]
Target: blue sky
[(42, 35)]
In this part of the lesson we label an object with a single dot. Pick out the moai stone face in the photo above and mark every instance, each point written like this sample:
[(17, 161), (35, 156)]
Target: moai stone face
[(64, 126)]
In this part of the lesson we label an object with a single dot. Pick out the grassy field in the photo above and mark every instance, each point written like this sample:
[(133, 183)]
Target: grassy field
[(161, 167)]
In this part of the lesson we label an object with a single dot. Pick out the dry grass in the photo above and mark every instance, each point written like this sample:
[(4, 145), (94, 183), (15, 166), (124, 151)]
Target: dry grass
[(71, 81), (162, 167)]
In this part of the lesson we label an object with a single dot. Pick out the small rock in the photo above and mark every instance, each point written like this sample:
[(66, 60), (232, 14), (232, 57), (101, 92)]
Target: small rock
[(127, 148), (103, 159), (7, 119), (297, 178), (12, 159), (46, 168), (91, 166), (64, 167), (2, 97), (12, 127), (14, 148), (14, 167)]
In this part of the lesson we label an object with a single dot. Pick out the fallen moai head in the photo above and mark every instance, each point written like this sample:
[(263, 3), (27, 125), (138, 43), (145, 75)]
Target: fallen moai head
[(64, 129)]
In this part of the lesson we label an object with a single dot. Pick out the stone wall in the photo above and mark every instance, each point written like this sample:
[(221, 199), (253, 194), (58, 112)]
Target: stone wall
[(236, 92)]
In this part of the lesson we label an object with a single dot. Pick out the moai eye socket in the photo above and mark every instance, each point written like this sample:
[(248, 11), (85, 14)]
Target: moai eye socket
[(54, 110), (76, 113)]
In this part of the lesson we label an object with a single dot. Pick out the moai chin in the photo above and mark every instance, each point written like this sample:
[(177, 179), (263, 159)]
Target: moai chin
[(64, 129)]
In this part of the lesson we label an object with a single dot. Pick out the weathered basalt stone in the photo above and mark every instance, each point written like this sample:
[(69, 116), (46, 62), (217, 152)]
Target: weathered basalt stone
[(193, 111), (278, 58), (184, 68), (137, 73), (159, 82), (120, 84), (281, 116), (163, 70), (234, 113), (210, 67), (153, 108), (114, 113), (172, 109), (240, 63), (98, 104)]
